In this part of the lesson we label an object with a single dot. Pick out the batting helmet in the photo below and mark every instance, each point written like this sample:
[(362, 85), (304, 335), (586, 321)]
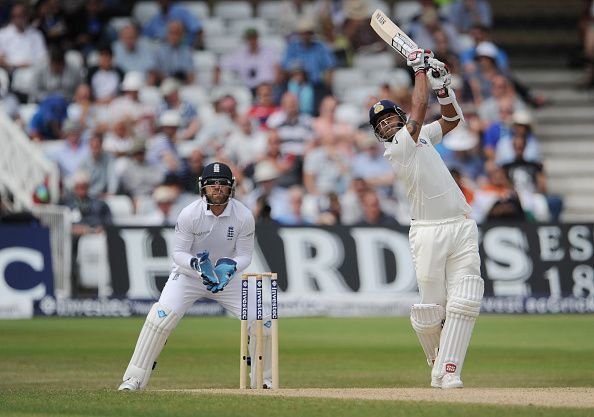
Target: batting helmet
[(381, 108), (217, 173)]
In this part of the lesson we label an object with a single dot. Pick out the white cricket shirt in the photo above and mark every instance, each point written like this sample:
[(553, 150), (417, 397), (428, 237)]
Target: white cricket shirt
[(432, 192), (230, 235)]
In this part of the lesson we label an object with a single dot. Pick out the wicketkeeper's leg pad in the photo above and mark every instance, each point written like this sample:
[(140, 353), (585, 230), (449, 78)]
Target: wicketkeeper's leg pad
[(427, 321), (267, 352), (159, 323), (462, 309)]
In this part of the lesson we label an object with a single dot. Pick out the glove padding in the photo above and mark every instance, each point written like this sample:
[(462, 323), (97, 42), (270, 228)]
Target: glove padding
[(224, 270), (439, 76), (418, 58), (202, 264)]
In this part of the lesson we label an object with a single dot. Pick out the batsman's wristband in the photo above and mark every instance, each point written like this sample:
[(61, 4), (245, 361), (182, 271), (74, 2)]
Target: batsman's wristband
[(451, 99)]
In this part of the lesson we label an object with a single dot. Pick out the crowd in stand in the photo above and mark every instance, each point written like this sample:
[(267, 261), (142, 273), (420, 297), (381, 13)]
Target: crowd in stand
[(296, 160)]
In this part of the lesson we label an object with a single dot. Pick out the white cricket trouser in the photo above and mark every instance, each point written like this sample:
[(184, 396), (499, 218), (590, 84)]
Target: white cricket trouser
[(443, 252)]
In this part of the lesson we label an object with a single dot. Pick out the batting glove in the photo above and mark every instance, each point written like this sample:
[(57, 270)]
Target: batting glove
[(439, 77), (201, 263), (418, 58), (224, 269)]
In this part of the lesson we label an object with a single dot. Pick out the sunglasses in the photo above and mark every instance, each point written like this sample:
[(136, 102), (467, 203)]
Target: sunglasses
[(217, 181)]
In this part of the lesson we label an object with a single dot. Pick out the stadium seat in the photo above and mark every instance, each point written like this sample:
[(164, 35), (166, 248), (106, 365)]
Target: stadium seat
[(360, 95), (213, 26), (144, 10), (222, 45), (74, 58), (204, 59), (120, 205), (93, 263), (238, 27), (269, 9), (198, 8), (369, 62), (233, 10), (345, 78), (277, 42), (397, 77), (22, 80), (351, 114), (150, 95), (194, 94)]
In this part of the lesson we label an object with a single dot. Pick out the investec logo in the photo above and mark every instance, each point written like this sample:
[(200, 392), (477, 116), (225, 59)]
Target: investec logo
[(274, 295), (259, 312), (244, 300)]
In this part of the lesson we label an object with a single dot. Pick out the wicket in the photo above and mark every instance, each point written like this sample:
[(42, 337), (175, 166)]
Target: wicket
[(258, 361)]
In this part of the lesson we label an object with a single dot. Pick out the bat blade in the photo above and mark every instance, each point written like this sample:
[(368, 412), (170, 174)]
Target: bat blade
[(391, 33)]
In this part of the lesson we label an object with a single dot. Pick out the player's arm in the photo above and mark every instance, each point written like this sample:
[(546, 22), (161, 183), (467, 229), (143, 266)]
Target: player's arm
[(440, 79), (417, 59)]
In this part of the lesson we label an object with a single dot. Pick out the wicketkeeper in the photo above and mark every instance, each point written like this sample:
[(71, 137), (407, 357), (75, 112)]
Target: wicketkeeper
[(443, 240), (216, 227)]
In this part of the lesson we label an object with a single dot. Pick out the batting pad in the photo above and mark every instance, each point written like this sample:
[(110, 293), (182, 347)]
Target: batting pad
[(462, 310), (267, 352), (426, 320), (160, 321)]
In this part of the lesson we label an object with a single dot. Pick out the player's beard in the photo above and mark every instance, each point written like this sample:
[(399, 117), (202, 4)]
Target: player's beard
[(218, 197)]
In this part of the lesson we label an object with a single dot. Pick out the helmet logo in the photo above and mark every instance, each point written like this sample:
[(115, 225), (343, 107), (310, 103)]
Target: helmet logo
[(378, 107), (217, 168)]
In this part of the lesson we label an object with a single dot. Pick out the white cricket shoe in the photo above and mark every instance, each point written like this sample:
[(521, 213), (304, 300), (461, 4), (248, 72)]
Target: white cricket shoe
[(130, 384), (451, 381), (435, 382)]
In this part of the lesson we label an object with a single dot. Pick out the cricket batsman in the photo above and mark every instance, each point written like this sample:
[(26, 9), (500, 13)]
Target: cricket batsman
[(443, 240)]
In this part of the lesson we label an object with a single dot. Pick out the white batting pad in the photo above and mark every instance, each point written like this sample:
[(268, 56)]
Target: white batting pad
[(461, 312), (160, 321), (426, 320), (267, 353)]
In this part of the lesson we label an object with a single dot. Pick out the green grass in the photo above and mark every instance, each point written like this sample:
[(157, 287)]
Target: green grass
[(71, 367)]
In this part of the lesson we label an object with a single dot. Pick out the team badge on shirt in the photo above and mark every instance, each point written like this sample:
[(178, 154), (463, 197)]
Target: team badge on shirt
[(230, 232)]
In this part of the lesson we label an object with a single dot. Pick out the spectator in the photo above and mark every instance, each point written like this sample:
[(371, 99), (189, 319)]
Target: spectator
[(318, 60), (480, 76), (138, 178), (246, 144), (119, 138), (466, 13), (522, 124), (57, 78), (50, 20), (89, 215), (327, 123), (373, 215), (105, 78), (195, 167), (462, 182), (351, 201), (73, 152), (173, 58), (462, 144), (294, 216), (304, 90), (423, 26), (132, 53), (89, 27), (503, 92), (21, 45), (47, 121), (212, 135), (99, 165), (190, 124), (82, 109), (588, 42), (264, 105), (370, 165), (156, 27), (164, 197), (288, 165), (267, 192), (162, 151), (253, 62)]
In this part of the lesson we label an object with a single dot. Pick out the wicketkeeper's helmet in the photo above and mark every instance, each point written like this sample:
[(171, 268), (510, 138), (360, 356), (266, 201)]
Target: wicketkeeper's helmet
[(217, 173)]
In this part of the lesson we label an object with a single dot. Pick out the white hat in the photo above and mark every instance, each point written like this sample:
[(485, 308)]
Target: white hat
[(170, 118), (460, 139), (522, 117), (133, 81), (265, 171), (486, 48), (169, 85), (164, 194)]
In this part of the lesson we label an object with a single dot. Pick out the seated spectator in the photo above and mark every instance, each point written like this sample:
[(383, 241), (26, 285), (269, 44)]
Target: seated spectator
[(304, 90), (246, 144), (529, 180), (253, 62), (465, 13), (462, 156), (423, 26), (482, 73), (50, 20), (370, 165), (294, 216), (173, 58), (264, 105), (496, 199), (138, 178), (162, 152), (21, 45), (326, 123), (105, 78), (288, 165), (503, 95), (164, 198), (74, 151), (119, 138), (47, 121), (156, 28), (82, 109), (131, 53), (56, 78), (373, 215), (267, 192), (522, 124), (89, 27), (212, 135), (351, 201), (467, 189), (100, 166), (190, 124), (195, 167)]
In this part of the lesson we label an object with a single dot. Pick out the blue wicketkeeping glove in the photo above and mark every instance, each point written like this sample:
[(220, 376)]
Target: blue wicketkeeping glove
[(202, 264), (224, 270)]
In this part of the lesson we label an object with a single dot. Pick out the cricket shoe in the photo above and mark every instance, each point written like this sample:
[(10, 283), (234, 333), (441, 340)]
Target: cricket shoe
[(130, 384), (447, 381)]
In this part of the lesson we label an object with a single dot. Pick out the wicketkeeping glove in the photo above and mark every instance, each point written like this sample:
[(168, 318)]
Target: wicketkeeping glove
[(201, 263), (418, 58), (224, 269)]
